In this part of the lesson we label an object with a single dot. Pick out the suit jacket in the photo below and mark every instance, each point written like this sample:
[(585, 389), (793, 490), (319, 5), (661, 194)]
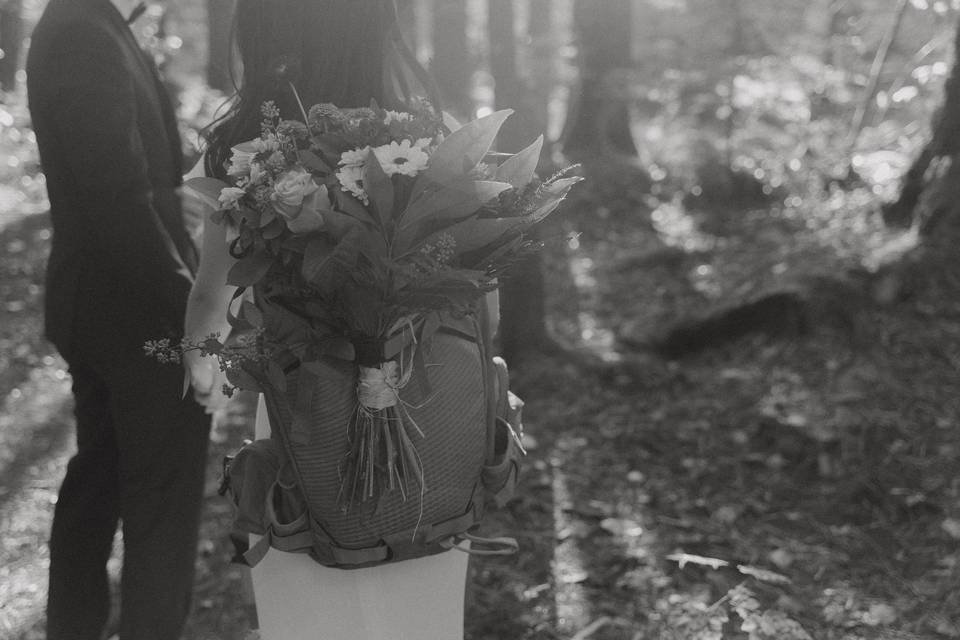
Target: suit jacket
[(121, 261)]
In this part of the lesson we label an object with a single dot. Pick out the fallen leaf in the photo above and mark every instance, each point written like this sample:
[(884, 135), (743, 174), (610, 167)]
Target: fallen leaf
[(622, 527), (683, 558), (574, 577), (952, 527), (880, 615), (781, 557), (763, 575)]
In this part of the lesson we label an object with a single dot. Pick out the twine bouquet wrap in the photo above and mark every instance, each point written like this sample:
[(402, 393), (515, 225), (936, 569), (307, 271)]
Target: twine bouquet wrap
[(369, 238)]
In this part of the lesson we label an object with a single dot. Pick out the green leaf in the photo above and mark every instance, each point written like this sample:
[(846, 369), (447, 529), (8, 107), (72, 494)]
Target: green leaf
[(250, 313), (207, 190), (274, 229), (276, 377), (379, 188), (326, 265), (466, 146), (476, 233), (352, 207), (551, 196), (312, 162), (316, 257), (249, 270), (561, 186), (520, 169), (337, 224), (242, 379), (443, 203)]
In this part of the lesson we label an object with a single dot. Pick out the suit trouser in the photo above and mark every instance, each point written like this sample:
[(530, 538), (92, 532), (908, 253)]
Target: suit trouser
[(141, 457)]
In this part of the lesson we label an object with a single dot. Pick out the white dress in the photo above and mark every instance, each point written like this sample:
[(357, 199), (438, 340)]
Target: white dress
[(298, 599)]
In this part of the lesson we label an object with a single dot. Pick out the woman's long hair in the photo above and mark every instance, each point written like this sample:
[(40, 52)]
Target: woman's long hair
[(331, 50)]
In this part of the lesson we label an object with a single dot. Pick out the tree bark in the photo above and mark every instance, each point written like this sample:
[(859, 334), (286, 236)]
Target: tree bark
[(219, 21), (451, 59), (601, 121), (523, 304), (944, 141), (11, 42)]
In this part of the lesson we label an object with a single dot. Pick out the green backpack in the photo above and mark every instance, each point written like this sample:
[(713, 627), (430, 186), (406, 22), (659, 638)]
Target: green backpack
[(288, 489)]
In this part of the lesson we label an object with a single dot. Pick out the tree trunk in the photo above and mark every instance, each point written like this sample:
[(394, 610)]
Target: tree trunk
[(944, 141), (601, 121), (522, 306), (11, 42), (219, 21), (508, 88), (451, 59), (541, 60)]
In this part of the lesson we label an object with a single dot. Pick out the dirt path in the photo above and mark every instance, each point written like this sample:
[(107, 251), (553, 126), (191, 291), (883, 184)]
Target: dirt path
[(770, 488)]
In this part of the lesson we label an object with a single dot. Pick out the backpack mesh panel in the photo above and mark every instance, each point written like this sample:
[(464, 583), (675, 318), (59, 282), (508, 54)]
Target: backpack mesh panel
[(452, 418)]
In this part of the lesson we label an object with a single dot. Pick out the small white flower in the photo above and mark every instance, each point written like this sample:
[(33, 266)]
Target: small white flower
[(423, 143), (401, 158), (350, 179), (354, 157), (267, 143), (241, 159), (230, 196), (256, 172), (397, 116)]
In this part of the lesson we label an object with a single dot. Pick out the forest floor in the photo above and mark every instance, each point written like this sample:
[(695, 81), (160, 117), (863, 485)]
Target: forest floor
[(798, 486)]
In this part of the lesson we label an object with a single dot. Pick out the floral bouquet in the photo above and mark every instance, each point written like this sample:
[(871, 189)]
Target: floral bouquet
[(355, 226)]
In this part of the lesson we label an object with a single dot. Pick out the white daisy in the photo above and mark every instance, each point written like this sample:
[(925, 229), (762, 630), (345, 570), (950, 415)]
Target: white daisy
[(401, 158), (350, 178), (354, 157)]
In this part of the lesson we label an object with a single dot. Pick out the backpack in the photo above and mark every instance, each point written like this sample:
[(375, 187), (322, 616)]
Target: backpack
[(286, 488)]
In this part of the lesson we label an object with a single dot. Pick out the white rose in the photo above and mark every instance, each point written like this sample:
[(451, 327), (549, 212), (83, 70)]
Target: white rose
[(308, 217), (292, 187)]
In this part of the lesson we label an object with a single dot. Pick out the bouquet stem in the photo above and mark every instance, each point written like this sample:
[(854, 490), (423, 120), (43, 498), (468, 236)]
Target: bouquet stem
[(381, 455)]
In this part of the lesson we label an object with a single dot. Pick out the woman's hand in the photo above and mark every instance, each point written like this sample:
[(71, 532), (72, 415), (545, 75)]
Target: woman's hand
[(207, 380)]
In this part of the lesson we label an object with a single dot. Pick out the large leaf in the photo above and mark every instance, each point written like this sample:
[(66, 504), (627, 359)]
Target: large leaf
[(449, 200), (476, 233), (352, 207), (551, 196), (379, 188), (207, 190), (463, 149), (313, 162), (326, 265), (316, 257), (441, 206), (249, 270), (337, 224), (519, 169)]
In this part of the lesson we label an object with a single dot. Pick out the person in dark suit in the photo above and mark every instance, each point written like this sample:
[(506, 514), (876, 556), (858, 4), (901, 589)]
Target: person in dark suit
[(119, 273)]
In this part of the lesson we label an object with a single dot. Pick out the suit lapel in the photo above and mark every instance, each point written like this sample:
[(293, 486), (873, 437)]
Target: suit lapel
[(149, 69)]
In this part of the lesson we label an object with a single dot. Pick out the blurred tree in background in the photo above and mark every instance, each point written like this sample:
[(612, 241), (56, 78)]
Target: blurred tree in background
[(720, 104), (219, 21), (11, 41), (601, 122)]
